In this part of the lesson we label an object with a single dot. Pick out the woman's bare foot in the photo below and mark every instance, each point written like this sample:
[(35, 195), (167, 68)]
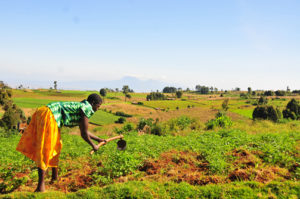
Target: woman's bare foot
[(53, 180)]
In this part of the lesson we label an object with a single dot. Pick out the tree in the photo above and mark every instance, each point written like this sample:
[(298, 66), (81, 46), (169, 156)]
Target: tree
[(55, 85), (202, 89), (128, 96), (280, 93), (292, 110), (269, 93), (266, 113), (262, 101), (155, 96), (170, 89), (225, 104), (249, 90), (102, 92), (125, 90), (179, 94)]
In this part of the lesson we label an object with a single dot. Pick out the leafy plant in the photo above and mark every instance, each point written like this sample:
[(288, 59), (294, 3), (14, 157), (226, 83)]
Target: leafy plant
[(120, 113), (121, 120), (266, 113), (292, 110), (221, 120)]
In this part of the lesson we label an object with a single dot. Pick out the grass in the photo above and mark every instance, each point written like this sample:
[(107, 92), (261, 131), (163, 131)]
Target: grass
[(102, 118), (244, 112), (146, 189), (275, 149), (110, 173), (31, 102)]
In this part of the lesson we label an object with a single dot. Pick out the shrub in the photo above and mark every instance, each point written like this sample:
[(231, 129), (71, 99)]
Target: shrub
[(262, 101), (120, 113), (179, 123), (121, 120), (128, 127), (179, 94), (143, 122), (269, 93), (221, 120), (156, 96), (280, 93), (225, 104), (292, 110), (156, 130), (266, 113), (244, 96)]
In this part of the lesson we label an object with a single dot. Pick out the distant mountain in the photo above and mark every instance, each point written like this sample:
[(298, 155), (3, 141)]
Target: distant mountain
[(134, 83)]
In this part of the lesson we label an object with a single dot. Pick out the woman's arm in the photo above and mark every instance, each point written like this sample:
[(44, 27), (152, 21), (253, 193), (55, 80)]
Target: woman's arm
[(92, 136), (83, 126)]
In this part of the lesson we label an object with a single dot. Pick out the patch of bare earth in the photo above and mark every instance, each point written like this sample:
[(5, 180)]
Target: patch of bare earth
[(127, 108), (247, 166), (77, 176), (180, 166), (193, 168)]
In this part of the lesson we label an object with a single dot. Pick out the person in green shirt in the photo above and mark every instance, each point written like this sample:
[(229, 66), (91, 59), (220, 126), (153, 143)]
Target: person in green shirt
[(41, 140)]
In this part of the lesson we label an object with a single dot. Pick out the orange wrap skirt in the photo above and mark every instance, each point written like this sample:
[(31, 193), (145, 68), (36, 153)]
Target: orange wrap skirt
[(41, 140)]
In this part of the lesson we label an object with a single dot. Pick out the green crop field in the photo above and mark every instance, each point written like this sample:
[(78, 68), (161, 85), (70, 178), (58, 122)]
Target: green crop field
[(101, 118), (244, 112), (180, 153), (31, 102), (218, 150)]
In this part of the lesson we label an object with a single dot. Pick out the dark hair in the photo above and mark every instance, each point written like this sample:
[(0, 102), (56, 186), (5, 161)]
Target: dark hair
[(94, 99)]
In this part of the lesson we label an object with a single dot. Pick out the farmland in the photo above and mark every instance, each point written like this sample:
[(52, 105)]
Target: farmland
[(184, 159)]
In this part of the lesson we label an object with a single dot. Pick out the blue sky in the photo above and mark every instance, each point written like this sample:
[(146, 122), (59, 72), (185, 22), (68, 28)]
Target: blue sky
[(220, 43)]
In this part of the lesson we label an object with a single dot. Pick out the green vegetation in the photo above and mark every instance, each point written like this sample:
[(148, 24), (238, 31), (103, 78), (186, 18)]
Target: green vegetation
[(244, 112), (292, 110), (215, 148), (101, 117), (267, 113), (191, 153), (155, 96), (221, 120), (142, 189), (32, 102)]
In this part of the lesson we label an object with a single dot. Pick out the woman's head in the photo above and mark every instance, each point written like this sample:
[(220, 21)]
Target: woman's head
[(95, 101)]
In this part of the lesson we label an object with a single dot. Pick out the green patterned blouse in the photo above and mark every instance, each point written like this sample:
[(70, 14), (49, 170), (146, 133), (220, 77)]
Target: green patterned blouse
[(68, 113)]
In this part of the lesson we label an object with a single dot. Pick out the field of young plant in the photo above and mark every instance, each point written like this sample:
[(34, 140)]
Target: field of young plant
[(177, 158)]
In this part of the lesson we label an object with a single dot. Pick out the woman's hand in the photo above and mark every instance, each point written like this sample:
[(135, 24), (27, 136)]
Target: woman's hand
[(95, 147), (102, 140)]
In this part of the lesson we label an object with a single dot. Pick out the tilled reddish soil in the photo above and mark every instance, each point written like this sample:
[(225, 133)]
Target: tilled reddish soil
[(182, 166), (177, 166), (194, 169)]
